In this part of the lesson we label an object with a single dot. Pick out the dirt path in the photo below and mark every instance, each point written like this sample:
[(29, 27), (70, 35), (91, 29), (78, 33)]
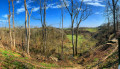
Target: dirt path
[(104, 58), (75, 67), (39, 66)]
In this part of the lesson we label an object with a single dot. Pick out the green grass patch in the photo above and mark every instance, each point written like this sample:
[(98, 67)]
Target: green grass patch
[(44, 68), (91, 29), (85, 42), (48, 65), (9, 52), (80, 39), (9, 63)]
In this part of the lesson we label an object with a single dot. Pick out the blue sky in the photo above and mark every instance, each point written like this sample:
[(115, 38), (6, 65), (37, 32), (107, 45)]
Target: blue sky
[(53, 13)]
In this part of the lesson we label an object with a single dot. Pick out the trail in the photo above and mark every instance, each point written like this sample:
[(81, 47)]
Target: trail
[(75, 67), (96, 65), (39, 66)]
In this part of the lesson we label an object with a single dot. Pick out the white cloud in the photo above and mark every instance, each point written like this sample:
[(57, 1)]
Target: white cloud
[(5, 16), (29, 1), (94, 2), (36, 9), (67, 3), (50, 5), (3, 21), (97, 13), (22, 9), (54, 5), (17, 1)]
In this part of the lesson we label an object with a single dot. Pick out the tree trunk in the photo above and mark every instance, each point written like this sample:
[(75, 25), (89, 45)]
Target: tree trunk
[(45, 30), (114, 16), (117, 25), (43, 38), (72, 28), (26, 32), (62, 31), (76, 40), (28, 35), (13, 27), (108, 25), (42, 26), (72, 35), (10, 25)]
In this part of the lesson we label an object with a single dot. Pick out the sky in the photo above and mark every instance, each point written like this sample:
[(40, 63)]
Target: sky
[(53, 13)]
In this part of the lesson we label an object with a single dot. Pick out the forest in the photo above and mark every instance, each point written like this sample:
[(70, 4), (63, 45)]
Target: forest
[(59, 34)]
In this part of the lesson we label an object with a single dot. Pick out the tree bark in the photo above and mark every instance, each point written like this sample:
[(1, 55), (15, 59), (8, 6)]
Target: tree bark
[(117, 24), (13, 27), (72, 35), (76, 40), (10, 25), (41, 19), (114, 16), (108, 27), (28, 44), (62, 31), (45, 29), (72, 29), (28, 35), (26, 32)]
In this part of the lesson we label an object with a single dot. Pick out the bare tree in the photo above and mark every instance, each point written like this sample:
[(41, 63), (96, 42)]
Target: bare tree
[(83, 12), (10, 25), (62, 30), (41, 19), (113, 9), (26, 37), (42, 4), (13, 26), (62, 13), (117, 16), (28, 43), (108, 15), (45, 28), (71, 12)]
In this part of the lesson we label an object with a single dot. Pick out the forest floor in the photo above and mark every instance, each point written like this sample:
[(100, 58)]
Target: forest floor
[(10, 59), (103, 56)]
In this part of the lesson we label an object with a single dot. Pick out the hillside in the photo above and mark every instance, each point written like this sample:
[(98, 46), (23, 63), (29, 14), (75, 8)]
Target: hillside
[(90, 54), (14, 60)]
